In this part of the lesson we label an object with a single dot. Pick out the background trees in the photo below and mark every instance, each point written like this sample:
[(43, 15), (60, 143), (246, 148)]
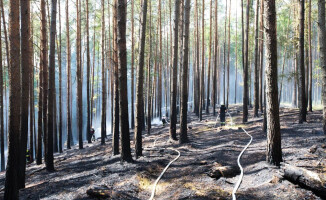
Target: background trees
[(104, 67)]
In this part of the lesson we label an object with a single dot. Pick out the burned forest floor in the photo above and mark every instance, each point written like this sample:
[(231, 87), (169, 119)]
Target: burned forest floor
[(210, 146)]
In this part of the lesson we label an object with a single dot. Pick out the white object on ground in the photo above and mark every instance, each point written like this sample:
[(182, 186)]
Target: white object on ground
[(237, 185)]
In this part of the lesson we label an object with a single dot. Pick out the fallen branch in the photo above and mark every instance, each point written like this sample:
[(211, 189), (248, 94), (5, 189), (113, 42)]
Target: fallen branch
[(305, 179)]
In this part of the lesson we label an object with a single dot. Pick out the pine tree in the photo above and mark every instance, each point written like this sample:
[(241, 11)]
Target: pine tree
[(256, 70), (2, 137), (140, 83), (123, 98), (103, 113), (301, 66), (11, 183), (115, 140), (173, 106), (184, 87), (274, 151), (25, 73), (51, 112), (60, 80), (79, 77), (246, 66), (69, 131), (202, 77), (88, 63), (215, 70), (322, 48), (209, 58)]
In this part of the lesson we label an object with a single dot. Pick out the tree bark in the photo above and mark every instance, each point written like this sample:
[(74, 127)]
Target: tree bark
[(261, 58), (103, 113), (149, 89), (322, 50), (274, 150), (256, 70), (123, 98), (11, 184), (246, 66), (140, 83), (69, 131), (25, 73), (60, 80), (44, 60), (184, 88), (202, 86), (51, 112), (302, 93), (115, 140), (79, 78), (310, 60), (215, 70), (209, 58), (173, 105), (132, 66), (88, 66), (228, 69)]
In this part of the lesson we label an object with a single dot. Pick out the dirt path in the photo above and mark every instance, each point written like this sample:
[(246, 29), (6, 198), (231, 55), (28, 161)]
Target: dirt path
[(79, 170)]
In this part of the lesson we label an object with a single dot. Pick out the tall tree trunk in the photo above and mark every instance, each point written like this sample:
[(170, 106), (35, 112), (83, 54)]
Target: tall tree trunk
[(302, 96), (236, 56), (184, 88), (215, 70), (2, 137), (88, 63), (79, 78), (69, 131), (93, 73), (31, 102), (246, 66), (132, 65), (256, 70), (103, 113), (51, 112), (149, 96), (228, 69), (2, 95), (25, 73), (40, 115), (261, 57), (209, 58), (224, 49), (140, 83), (310, 60), (202, 87), (60, 80), (274, 151), (197, 74), (173, 106), (160, 63), (44, 60), (115, 140), (11, 184), (322, 49), (123, 98)]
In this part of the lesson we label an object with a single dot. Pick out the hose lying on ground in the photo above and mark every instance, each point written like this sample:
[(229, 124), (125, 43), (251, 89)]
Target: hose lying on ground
[(237, 185), (165, 169)]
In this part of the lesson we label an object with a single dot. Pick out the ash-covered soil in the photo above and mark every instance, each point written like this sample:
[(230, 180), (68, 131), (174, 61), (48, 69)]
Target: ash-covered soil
[(210, 145)]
